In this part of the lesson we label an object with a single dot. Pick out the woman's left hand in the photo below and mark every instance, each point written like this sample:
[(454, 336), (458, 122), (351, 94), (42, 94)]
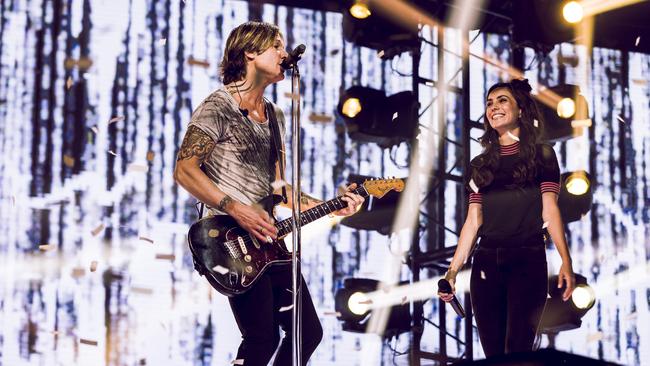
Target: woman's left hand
[(566, 275), (353, 201)]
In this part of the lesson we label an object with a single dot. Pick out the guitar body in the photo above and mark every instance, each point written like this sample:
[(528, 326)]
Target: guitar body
[(229, 258), (232, 260)]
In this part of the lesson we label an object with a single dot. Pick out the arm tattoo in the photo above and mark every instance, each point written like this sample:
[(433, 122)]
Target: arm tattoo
[(196, 143)]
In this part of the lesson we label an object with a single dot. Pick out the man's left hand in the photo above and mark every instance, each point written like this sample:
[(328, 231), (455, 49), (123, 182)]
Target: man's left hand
[(353, 200)]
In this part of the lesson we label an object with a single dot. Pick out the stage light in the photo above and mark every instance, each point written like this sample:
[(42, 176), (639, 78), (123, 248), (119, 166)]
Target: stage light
[(572, 12), (562, 315), (576, 195), (360, 10), (351, 107), (566, 108), (577, 183), (352, 306), (371, 116), (358, 303), (569, 117), (583, 297)]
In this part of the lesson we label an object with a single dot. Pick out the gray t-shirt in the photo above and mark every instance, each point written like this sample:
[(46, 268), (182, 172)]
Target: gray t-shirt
[(240, 164)]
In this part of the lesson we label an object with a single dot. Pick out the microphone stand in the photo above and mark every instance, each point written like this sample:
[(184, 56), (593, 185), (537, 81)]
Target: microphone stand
[(296, 325)]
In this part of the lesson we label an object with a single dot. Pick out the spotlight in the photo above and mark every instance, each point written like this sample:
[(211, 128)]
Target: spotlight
[(566, 108), (576, 195), (562, 315), (353, 308), (577, 183), (360, 10), (572, 12), (371, 116), (379, 32), (568, 117)]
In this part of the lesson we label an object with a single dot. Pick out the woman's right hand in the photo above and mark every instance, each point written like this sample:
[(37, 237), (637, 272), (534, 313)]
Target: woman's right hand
[(447, 297)]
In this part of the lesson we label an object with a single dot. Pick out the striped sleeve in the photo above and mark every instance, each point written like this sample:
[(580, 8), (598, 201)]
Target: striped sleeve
[(553, 187), (475, 198)]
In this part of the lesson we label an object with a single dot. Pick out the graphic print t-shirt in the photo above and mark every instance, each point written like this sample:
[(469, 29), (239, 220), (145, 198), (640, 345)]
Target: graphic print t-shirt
[(240, 164)]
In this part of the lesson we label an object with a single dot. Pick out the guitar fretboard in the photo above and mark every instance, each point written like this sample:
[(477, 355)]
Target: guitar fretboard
[(315, 213)]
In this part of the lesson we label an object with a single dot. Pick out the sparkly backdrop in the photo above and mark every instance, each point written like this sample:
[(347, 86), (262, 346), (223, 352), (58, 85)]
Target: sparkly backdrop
[(94, 100)]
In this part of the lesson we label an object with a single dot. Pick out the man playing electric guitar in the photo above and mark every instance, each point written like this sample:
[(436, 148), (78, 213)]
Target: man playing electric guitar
[(231, 134)]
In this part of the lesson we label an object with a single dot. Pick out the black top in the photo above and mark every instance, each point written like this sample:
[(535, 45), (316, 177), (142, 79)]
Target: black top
[(512, 215)]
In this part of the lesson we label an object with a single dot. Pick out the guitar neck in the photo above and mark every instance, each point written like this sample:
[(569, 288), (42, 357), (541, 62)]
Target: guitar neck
[(315, 213)]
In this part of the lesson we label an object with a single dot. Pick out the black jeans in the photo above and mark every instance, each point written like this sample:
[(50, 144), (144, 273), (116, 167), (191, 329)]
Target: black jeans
[(266, 307), (508, 288)]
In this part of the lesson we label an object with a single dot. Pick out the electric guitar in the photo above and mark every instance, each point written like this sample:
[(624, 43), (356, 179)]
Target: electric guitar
[(232, 260)]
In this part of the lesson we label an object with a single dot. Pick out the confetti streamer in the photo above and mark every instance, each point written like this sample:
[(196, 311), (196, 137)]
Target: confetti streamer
[(133, 167), (68, 161), (145, 239), (45, 247), (221, 270), (320, 118), (618, 117), (169, 257), (636, 42), (112, 152), (98, 229), (330, 313), (201, 63), (285, 308), (512, 136), (88, 342), (473, 186), (239, 361), (116, 119)]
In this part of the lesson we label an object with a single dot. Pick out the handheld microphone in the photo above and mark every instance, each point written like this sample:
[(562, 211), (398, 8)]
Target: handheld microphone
[(294, 57), (445, 287)]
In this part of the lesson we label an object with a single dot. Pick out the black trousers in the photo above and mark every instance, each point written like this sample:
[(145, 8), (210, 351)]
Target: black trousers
[(508, 288), (263, 310)]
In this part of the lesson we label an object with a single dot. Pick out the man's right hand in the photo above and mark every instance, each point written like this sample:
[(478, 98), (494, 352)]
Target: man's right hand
[(447, 297), (254, 220)]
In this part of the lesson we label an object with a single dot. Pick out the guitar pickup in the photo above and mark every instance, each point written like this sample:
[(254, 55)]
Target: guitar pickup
[(242, 245)]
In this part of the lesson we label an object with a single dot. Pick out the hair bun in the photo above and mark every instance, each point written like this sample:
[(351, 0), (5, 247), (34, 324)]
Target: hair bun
[(521, 84)]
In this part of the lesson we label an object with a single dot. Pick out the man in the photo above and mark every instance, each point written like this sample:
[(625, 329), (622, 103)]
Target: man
[(230, 134)]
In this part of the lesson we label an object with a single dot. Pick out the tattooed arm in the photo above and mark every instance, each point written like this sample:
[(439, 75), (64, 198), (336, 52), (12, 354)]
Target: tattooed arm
[(196, 147)]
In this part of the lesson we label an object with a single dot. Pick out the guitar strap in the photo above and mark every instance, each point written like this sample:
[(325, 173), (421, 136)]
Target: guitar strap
[(276, 145), (275, 152)]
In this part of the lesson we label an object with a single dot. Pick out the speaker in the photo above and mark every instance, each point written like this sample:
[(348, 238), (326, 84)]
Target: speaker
[(542, 357)]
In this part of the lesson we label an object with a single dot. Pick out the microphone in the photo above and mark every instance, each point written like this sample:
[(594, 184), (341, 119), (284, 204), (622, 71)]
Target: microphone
[(445, 287), (294, 57)]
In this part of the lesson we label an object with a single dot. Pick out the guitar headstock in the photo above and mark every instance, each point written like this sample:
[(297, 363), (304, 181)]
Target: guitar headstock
[(379, 187)]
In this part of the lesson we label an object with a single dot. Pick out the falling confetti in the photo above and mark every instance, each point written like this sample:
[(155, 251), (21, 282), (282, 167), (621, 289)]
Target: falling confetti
[(641, 82), (512, 136), (334, 313), (320, 118), (78, 272), (162, 41), (88, 342), (169, 257), (473, 186), (98, 229), (93, 266), (112, 152), (94, 129), (68, 161), (116, 119), (285, 308), (150, 155), (141, 290), (45, 247), (636, 42), (620, 118), (220, 269), (137, 168), (201, 63), (145, 239), (535, 123)]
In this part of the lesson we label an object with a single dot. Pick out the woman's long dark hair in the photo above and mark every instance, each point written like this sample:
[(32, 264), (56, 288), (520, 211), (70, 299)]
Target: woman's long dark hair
[(530, 134)]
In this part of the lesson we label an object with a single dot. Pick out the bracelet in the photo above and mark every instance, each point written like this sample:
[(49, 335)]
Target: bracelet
[(225, 201)]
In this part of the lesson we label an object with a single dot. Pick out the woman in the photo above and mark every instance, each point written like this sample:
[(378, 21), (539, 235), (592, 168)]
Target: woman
[(230, 134), (514, 190)]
